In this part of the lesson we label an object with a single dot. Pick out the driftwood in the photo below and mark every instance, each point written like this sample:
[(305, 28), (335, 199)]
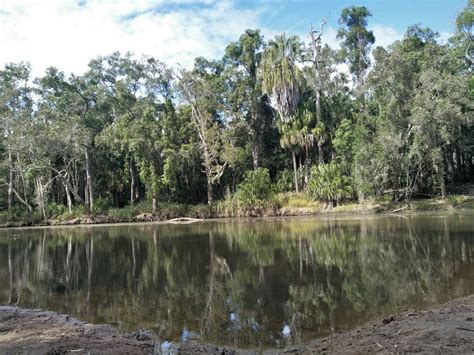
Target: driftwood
[(398, 209), (184, 220)]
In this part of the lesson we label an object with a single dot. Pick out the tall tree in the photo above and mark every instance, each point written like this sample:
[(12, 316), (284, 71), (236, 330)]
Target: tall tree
[(281, 80), (318, 62), (16, 108), (356, 43), (244, 89), (281, 75), (200, 89)]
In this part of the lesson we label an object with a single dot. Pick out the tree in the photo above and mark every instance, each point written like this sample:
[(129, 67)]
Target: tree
[(244, 88), (318, 63), (356, 43), (464, 27), (281, 75), (199, 89), (292, 139), (281, 80)]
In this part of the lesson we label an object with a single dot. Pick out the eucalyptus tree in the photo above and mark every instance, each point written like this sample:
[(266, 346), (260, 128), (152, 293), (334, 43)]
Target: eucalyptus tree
[(244, 87), (138, 95), (200, 89), (442, 109), (464, 27), (356, 43), (16, 108), (319, 75), (422, 107)]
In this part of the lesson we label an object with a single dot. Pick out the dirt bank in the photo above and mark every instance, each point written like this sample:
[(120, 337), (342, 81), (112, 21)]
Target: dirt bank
[(116, 216), (446, 328)]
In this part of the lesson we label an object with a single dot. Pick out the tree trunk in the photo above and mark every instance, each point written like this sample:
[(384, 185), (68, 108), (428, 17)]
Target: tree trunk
[(40, 196), (319, 119), (132, 181), (320, 152), (89, 184), (255, 154), (307, 163), (210, 192), (68, 195), (293, 155), (459, 165), (153, 203), (23, 201), (10, 181), (86, 199)]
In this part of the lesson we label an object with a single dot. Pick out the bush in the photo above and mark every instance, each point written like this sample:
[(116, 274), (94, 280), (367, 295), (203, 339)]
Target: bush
[(256, 188), (53, 210), (101, 205), (327, 183), (285, 181)]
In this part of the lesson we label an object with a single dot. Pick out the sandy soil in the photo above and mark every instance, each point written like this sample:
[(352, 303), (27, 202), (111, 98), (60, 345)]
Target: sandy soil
[(448, 328)]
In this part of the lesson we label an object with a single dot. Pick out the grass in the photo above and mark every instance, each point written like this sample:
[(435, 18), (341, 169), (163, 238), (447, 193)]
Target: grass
[(278, 204)]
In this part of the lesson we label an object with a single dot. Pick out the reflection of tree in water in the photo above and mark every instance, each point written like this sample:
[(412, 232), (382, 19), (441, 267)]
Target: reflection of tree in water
[(243, 283)]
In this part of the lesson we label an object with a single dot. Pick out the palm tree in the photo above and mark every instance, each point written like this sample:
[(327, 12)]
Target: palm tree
[(292, 139), (281, 81), (281, 76)]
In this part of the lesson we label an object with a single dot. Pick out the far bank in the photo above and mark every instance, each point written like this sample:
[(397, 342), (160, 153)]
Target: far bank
[(284, 205)]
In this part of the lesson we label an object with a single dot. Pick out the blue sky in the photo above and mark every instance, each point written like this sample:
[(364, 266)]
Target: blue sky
[(399, 14), (68, 33)]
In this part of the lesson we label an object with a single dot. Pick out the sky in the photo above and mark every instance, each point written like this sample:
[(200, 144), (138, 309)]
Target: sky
[(67, 34)]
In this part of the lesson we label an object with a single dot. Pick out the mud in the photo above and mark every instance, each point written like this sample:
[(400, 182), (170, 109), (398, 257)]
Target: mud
[(448, 328)]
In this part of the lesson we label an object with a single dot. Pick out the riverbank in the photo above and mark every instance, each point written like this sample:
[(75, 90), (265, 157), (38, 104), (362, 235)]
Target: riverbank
[(440, 329), (294, 205)]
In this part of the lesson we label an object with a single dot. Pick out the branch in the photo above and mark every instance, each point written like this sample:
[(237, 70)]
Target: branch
[(30, 209), (65, 182)]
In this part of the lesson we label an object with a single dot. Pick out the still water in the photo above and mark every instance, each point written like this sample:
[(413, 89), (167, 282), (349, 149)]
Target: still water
[(257, 283)]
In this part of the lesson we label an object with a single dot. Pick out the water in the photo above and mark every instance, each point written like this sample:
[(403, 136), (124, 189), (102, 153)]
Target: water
[(258, 283)]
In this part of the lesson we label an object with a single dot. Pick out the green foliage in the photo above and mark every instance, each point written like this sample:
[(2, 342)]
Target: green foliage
[(101, 205), (256, 187), (55, 209), (130, 131), (284, 181), (328, 184), (281, 75), (357, 40)]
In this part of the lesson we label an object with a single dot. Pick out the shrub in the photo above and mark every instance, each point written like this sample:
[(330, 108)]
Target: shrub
[(101, 205), (256, 187), (327, 183), (53, 210), (285, 181)]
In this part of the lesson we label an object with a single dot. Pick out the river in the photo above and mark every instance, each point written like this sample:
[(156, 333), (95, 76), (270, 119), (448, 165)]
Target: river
[(249, 283)]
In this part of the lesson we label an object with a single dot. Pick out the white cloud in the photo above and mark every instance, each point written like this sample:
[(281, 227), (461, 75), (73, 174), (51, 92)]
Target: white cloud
[(69, 34), (385, 35)]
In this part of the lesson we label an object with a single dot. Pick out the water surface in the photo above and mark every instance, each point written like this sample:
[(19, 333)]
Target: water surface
[(258, 283)]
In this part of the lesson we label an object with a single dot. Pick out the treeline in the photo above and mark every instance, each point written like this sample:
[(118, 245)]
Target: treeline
[(270, 116)]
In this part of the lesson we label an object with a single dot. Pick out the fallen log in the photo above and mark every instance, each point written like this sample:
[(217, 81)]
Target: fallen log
[(398, 209), (184, 220)]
